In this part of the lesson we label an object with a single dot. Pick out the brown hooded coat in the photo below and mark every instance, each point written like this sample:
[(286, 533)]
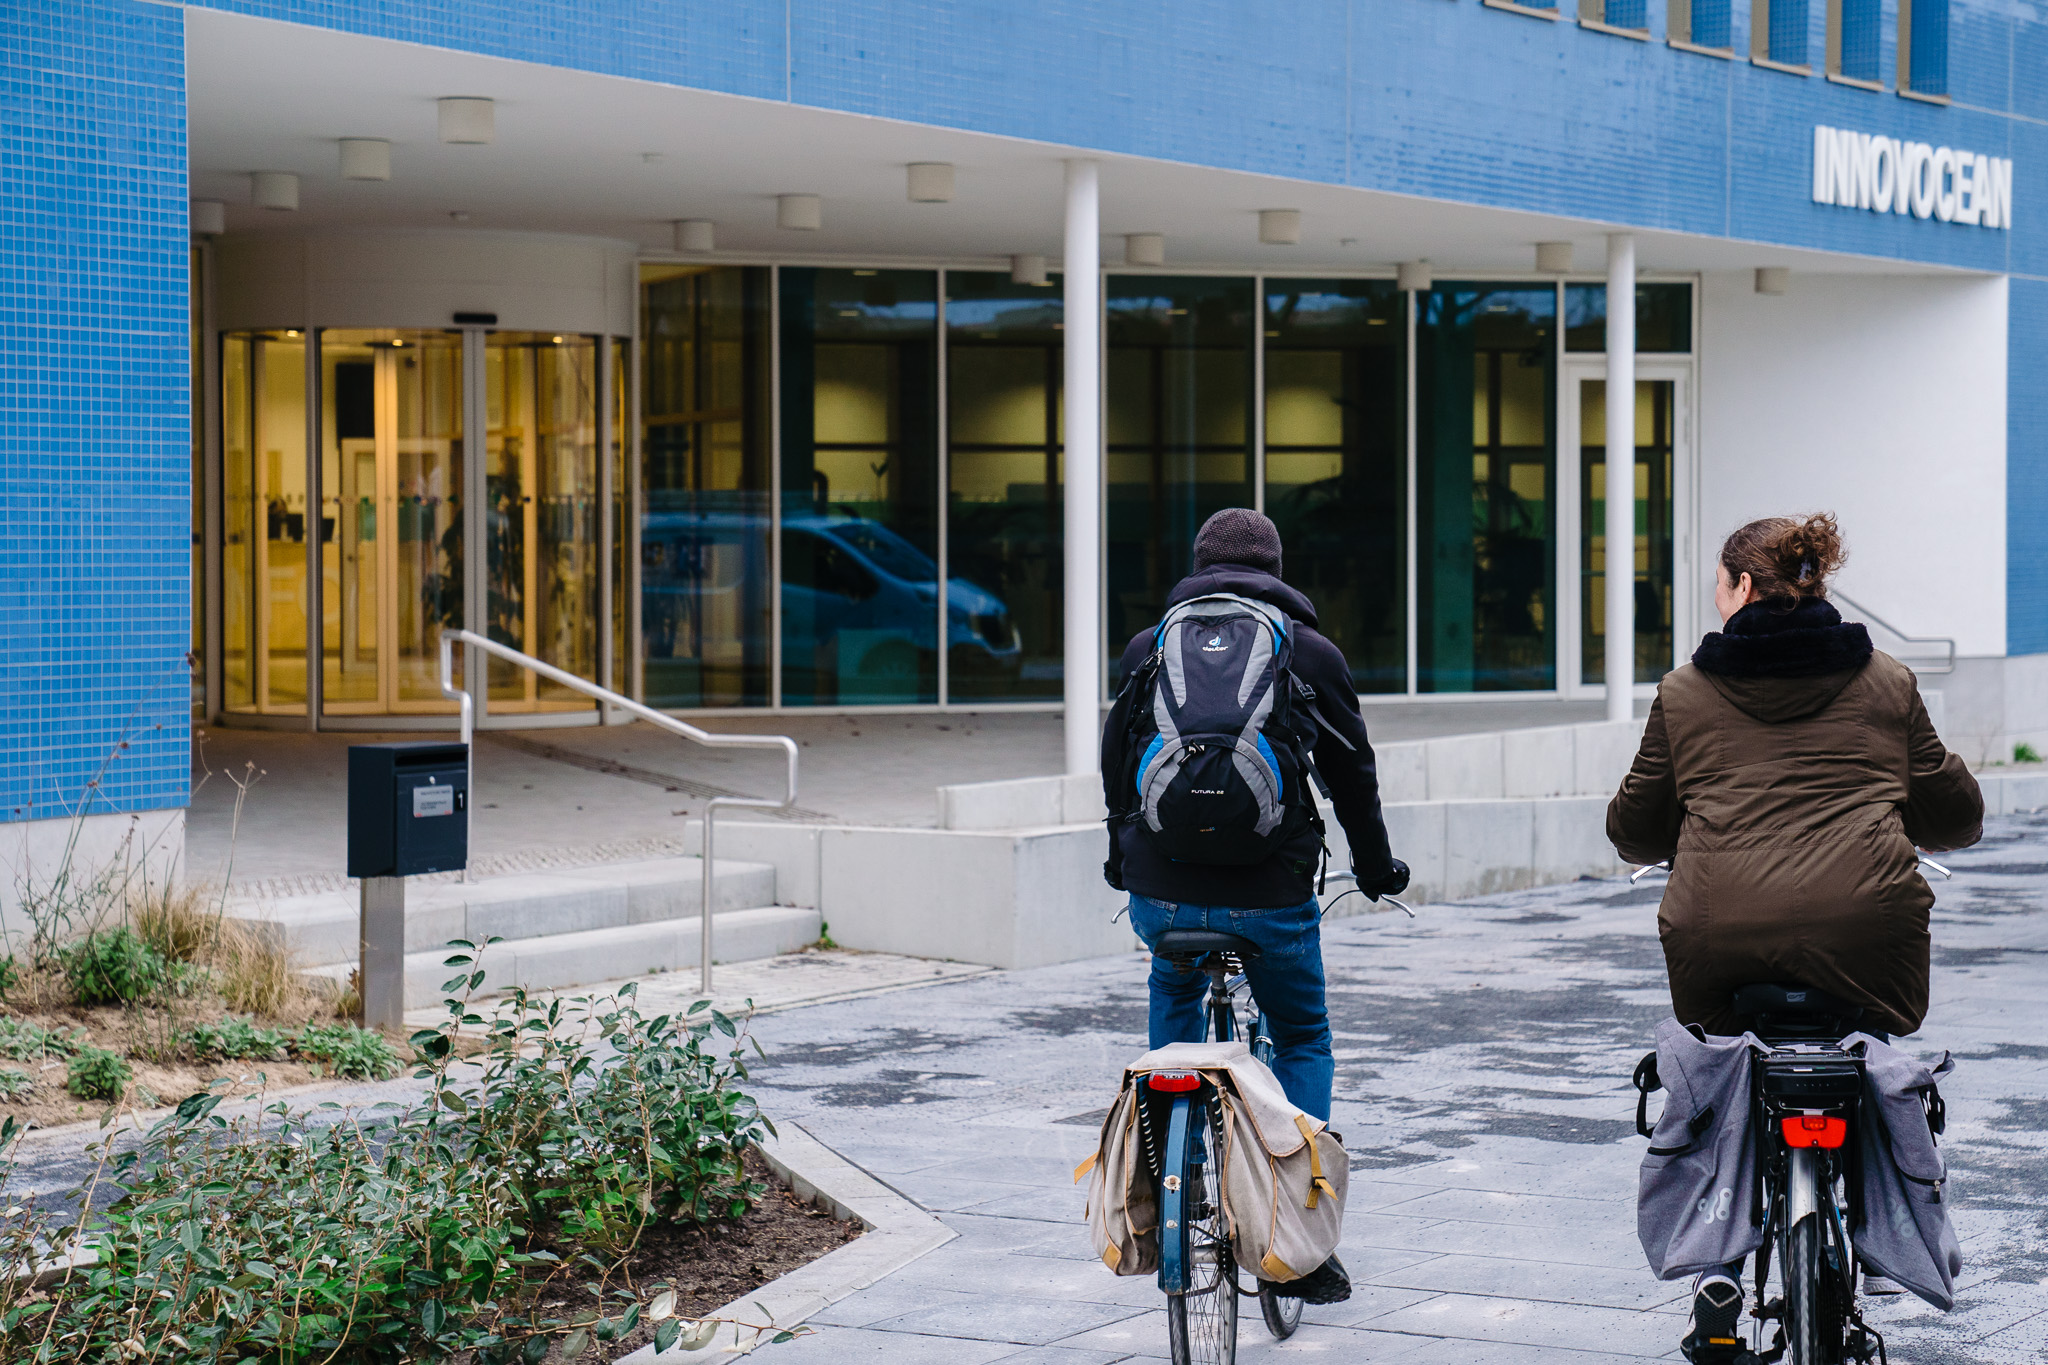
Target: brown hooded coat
[(1789, 808)]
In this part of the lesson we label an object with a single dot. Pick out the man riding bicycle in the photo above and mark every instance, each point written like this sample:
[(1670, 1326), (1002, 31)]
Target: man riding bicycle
[(1786, 775), (1270, 900)]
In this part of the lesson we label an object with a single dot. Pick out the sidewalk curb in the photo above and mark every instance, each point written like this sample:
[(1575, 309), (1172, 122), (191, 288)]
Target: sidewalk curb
[(898, 1232)]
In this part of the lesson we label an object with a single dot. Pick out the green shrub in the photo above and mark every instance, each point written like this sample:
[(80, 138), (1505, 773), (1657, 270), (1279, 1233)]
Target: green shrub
[(276, 1238), (357, 1054), (97, 1074), (15, 1082), (10, 975), (2025, 753), (235, 1039), (23, 1041), (113, 967)]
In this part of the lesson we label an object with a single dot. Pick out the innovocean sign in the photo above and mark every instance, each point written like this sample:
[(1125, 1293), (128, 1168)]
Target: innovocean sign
[(1882, 174)]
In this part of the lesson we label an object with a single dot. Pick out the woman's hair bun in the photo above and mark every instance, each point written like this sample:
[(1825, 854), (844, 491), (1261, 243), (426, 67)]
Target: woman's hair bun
[(1786, 557)]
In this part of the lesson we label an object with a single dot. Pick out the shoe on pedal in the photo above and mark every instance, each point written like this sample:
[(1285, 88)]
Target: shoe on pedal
[(1327, 1283), (1716, 1304)]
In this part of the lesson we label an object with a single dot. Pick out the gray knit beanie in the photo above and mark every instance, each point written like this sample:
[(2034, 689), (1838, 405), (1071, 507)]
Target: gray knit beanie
[(1238, 535)]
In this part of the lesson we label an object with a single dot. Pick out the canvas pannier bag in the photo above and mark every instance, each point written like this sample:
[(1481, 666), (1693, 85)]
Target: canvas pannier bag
[(1906, 1233), (1285, 1174), (1694, 1190)]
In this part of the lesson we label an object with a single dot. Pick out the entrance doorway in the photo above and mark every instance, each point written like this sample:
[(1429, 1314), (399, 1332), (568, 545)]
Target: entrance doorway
[(456, 480), (1662, 551), (391, 484)]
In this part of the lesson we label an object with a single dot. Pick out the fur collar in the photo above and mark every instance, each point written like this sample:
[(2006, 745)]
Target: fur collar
[(1770, 639)]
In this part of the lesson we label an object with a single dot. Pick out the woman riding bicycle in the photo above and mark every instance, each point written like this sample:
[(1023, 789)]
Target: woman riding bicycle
[(1787, 775)]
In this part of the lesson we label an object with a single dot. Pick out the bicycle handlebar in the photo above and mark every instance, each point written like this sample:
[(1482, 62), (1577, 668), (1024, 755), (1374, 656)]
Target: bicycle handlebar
[(1643, 872)]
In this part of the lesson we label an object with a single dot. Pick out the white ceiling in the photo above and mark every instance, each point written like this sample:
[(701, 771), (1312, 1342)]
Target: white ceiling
[(601, 155)]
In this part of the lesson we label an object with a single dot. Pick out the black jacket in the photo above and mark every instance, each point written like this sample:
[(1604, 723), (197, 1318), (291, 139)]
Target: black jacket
[(1342, 754)]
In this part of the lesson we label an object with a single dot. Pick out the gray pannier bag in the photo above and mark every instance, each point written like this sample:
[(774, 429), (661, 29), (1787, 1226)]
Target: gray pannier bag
[(1906, 1233), (1693, 1194), (1285, 1174)]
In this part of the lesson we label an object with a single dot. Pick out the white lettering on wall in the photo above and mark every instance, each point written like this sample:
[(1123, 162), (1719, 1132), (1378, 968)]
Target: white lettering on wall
[(1882, 174)]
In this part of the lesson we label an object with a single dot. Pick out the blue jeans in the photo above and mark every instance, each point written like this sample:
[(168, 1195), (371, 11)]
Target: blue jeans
[(1286, 980)]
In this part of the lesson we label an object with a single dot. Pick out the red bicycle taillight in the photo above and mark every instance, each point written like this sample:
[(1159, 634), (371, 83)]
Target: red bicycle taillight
[(1175, 1080), (1814, 1130)]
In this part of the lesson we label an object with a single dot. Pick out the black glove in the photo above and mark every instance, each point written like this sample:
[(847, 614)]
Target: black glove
[(1392, 882)]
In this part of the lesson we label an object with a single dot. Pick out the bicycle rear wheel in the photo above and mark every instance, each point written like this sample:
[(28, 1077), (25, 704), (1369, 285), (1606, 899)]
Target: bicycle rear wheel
[(1805, 1295), (1201, 1321)]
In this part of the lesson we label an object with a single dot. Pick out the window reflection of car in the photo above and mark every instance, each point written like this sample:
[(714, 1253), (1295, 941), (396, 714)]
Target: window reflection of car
[(848, 583)]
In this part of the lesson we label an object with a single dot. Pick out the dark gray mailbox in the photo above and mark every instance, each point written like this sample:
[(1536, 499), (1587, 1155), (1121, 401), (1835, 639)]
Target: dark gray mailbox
[(408, 808)]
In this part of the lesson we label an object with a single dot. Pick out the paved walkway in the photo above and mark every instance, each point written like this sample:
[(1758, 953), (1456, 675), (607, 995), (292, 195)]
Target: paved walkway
[(588, 795), (1483, 1060)]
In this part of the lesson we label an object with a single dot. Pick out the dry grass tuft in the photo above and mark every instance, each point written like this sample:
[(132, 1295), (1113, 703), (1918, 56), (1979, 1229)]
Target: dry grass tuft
[(253, 969), (178, 922)]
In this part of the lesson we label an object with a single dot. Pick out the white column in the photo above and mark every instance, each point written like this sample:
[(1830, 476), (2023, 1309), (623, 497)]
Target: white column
[(1621, 475), (1083, 481)]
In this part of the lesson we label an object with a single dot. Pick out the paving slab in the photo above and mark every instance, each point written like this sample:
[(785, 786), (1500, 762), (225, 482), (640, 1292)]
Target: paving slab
[(1482, 1091)]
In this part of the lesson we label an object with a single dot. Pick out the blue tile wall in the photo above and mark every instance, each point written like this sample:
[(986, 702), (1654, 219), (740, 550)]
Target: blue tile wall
[(95, 459), (2026, 477), (1445, 98)]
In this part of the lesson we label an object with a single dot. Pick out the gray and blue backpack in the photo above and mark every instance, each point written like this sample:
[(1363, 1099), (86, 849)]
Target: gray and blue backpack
[(1213, 769)]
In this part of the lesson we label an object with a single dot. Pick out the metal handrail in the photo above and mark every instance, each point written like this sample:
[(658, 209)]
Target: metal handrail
[(1948, 663), (467, 701)]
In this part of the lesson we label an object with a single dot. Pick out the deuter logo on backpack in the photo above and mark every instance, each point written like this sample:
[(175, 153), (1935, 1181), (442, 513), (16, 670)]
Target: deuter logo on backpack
[(1213, 769)]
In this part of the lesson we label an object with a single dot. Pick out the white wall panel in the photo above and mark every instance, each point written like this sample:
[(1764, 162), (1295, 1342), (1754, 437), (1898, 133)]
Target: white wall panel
[(1879, 398)]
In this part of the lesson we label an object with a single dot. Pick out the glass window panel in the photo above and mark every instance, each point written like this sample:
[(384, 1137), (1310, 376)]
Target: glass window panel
[(391, 547), (1486, 460), (1663, 318), (1005, 534), (1179, 400), (540, 508), (196, 338), (705, 578), (860, 485), (1336, 462), (263, 551), (621, 504), (1655, 452)]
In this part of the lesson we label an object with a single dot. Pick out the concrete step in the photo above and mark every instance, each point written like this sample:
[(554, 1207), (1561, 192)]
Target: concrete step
[(553, 961), (322, 930)]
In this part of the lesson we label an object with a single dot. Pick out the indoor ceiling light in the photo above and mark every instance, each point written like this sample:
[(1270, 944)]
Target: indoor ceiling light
[(1772, 279), (799, 212), (365, 158), (1280, 227), (931, 182), (1027, 270), (468, 119), (1145, 248), (208, 217), (696, 234), (1412, 275), (1554, 257), (274, 190)]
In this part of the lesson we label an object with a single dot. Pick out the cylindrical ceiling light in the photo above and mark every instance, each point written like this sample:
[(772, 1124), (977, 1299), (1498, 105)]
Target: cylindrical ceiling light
[(1412, 275), (696, 234), (1145, 248), (1027, 270), (1554, 257), (799, 212), (931, 182), (468, 119), (208, 217), (274, 190), (1772, 279), (365, 158), (1280, 227)]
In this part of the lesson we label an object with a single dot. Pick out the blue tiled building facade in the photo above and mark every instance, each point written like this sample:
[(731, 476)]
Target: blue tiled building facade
[(1449, 101)]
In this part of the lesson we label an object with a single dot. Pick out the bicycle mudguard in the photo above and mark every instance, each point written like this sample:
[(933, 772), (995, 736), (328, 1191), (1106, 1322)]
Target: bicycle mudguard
[(1173, 1271)]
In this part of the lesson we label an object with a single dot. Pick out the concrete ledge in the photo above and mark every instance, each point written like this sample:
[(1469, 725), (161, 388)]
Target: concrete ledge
[(2010, 793), (1021, 803), (898, 1232), (1549, 760)]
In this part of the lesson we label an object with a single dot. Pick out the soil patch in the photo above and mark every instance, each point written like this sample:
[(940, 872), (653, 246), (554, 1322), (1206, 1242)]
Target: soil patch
[(710, 1267)]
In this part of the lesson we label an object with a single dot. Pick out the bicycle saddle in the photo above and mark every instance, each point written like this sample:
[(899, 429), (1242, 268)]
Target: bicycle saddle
[(1183, 946), (1795, 1012)]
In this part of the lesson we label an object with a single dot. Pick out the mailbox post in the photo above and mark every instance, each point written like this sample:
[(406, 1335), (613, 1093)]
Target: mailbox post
[(408, 813)]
